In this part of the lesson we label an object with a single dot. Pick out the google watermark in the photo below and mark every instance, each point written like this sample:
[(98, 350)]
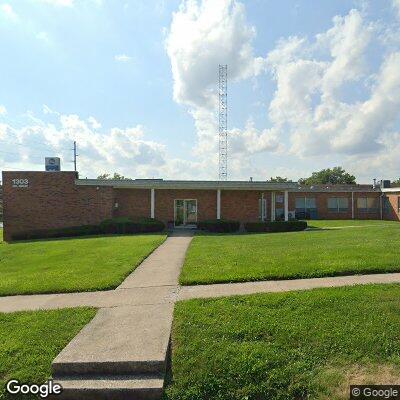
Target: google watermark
[(15, 387), (375, 392)]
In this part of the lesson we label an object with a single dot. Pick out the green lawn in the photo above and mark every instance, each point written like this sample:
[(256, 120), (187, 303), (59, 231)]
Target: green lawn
[(347, 223), (29, 341), (235, 258), (294, 345), (71, 265)]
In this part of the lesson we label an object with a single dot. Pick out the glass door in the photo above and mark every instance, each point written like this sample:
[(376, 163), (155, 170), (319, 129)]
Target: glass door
[(185, 212), (190, 212)]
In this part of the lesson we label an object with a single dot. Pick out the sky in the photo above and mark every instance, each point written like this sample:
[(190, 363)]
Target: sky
[(311, 85)]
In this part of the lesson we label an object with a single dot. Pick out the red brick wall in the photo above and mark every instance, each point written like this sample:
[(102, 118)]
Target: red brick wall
[(242, 205), (322, 205), (206, 203), (52, 200), (134, 203), (392, 213)]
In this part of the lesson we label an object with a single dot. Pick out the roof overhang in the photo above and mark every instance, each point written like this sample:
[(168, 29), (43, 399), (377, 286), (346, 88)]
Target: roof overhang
[(391, 190), (193, 185)]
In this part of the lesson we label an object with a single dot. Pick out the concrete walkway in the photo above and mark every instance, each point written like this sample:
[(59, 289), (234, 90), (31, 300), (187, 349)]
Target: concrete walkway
[(153, 295), (231, 289), (122, 352)]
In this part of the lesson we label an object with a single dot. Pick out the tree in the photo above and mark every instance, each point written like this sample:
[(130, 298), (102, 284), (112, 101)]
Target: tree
[(396, 183), (336, 175), (115, 177), (278, 179)]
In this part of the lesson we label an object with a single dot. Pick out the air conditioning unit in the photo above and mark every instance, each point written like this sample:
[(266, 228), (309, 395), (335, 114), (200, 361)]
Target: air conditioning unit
[(292, 215)]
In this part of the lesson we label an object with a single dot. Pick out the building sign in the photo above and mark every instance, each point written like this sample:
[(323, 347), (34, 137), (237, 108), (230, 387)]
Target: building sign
[(52, 164), (20, 183)]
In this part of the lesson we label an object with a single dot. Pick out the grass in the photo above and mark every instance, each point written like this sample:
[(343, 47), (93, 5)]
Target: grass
[(318, 253), (71, 265), (334, 223), (294, 345), (29, 341)]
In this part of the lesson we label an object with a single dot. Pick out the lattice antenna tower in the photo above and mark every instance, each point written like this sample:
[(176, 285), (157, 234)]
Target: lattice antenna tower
[(223, 122)]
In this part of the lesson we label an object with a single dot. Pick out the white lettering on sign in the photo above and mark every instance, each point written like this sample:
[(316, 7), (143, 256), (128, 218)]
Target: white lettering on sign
[(20, 183)]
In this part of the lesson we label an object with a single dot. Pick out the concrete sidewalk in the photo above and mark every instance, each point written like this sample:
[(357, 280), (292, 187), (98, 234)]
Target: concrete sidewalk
[(231, 289), (152, 295)]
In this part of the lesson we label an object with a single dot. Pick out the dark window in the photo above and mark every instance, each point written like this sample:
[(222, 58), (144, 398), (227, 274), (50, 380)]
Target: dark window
[(338, 204), (306, 207), (367, 204)]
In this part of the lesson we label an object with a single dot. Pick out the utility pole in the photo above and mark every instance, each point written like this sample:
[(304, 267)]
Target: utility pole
[(75, 155)]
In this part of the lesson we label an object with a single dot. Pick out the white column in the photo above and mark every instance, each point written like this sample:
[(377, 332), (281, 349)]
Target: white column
[(352, 205), (152, 202), (273, 206), (262, 208), (218, 204), (286, 200)]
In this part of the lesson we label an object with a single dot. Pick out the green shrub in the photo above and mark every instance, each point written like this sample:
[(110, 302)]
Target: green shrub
[(123, 225), (275, 226), (219, 226), (72, 231)]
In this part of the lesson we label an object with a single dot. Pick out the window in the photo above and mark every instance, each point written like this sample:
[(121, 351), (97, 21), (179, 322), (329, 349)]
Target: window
[(306, 207), (338, 204), (367, 204), (398, 204)]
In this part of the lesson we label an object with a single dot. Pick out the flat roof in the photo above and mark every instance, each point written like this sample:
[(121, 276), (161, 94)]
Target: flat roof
[(223, 185)]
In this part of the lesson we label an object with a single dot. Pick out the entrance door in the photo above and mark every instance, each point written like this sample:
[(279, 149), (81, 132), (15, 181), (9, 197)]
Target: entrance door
[(185, 212)]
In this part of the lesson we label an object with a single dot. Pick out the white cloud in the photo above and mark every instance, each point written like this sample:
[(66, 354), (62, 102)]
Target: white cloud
[(7, 11), (396, 5), (94, 123), (308, 103), (59, 3), (126, 151), (203, 35), (122, 58), (3, 110)]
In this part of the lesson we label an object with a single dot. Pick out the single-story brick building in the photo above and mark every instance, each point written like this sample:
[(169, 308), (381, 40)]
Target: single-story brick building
[(45, 200)]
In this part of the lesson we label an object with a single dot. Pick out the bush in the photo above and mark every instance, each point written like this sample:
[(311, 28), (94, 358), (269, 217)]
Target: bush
[(72, 231), (276, 226), (123, 225), (219, 226)]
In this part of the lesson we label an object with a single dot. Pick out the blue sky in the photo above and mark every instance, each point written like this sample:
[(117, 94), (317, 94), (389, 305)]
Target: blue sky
[(134, 83)]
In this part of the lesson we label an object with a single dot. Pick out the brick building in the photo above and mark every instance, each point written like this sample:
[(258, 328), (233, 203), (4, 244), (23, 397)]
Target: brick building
[(45, 200)]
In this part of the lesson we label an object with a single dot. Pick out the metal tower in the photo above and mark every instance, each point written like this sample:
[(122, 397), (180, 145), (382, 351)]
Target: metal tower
[(223, 122)]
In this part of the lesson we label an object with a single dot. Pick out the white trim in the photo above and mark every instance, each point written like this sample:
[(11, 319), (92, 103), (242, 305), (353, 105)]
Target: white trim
[(286, 202), (219, 204), (152, 202), (389, 190)]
